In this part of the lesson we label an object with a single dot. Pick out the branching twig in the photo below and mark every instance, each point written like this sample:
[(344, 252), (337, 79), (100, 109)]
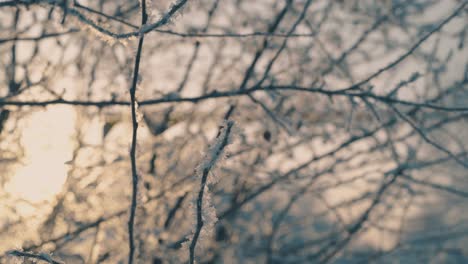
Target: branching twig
[(408, 52)]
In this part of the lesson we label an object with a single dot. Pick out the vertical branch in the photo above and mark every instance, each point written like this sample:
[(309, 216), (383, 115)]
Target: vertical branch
[(13, 87), (213, 155), (133, 103), (200, 223)]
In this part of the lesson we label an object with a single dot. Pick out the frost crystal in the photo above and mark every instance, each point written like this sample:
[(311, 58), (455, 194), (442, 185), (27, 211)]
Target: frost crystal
[(106, 38), (215, 152), (205, 211)]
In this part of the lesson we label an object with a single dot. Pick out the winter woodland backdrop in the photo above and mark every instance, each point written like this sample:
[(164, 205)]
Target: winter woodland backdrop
[(233, 131)]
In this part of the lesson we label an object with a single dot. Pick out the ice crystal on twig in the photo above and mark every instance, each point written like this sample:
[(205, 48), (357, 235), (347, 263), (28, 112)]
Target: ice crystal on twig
[(205, 211)]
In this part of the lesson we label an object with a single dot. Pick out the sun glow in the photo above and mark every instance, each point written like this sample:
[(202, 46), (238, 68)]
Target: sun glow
[(46, 138)]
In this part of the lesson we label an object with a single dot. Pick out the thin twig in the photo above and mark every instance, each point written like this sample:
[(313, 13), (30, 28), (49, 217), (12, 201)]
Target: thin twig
[(41, 256)]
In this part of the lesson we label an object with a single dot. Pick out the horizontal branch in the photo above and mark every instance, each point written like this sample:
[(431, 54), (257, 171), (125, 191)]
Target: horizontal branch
[(41, 256), (236, 93)]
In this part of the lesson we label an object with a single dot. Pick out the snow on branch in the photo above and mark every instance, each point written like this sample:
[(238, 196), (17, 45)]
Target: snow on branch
[(205, 212)]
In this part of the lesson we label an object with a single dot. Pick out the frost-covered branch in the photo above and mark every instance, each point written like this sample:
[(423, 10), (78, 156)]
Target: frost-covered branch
[(214, 154)]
